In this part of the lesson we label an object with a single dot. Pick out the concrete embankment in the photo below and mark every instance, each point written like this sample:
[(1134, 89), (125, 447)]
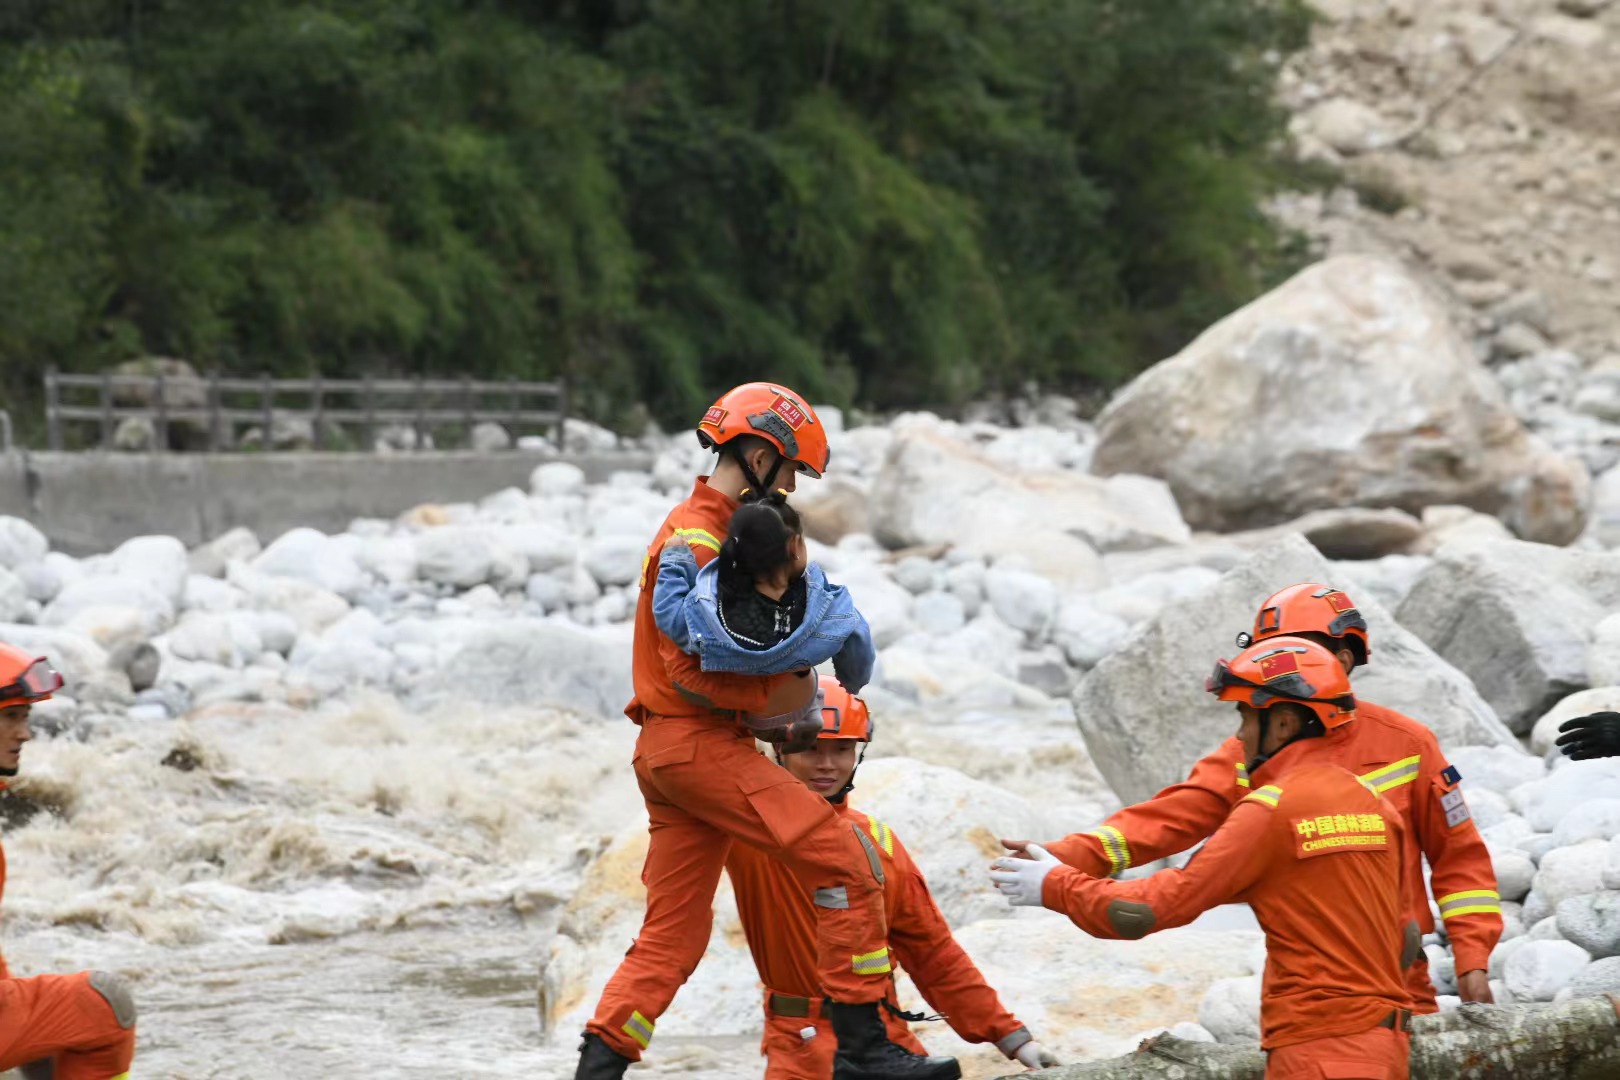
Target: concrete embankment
[(89, 502)]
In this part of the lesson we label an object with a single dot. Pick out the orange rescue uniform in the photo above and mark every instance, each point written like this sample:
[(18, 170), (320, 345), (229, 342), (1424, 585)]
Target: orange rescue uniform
[(779, 922), (706, 784), (1318, 857), (63, 1019), (1396, 754)]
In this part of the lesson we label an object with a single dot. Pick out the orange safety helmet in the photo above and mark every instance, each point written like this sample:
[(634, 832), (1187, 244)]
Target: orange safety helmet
[(1311, 608), (1291, 669), (776, 414), (843, 715), (25, 678)]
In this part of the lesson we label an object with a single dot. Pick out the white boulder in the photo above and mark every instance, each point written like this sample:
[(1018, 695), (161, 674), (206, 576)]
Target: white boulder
[(159, 561), (1146, 717), (1568, 872), (237, 545), (557, 478), (20, 543), (1516, 618), (1539, 969), (1544, 735), (312, 556), (1592, 922), (1356, 360), (14, 597), (1230, 1010), (1603, 653), (1022, 600)]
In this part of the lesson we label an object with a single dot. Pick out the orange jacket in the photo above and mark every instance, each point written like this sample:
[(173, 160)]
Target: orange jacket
[(5, 969), (1403, 760), (779, 923), (667, 681), (1317, 856)]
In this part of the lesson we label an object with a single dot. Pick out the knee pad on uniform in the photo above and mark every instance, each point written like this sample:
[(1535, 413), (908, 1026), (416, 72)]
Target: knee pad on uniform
[(118, 994)]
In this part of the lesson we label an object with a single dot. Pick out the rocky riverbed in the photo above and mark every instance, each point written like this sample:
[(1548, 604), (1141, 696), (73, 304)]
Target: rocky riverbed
[(341, 803)]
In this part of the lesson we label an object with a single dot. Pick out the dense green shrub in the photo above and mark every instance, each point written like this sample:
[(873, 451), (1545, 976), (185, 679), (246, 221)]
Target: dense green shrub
[(895, 202)]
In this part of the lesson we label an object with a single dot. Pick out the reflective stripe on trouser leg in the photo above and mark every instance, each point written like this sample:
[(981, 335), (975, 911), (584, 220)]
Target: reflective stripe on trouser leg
[(639, 1028)]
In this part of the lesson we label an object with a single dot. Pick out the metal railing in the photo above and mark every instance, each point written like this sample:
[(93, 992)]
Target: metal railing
[(329, 406)]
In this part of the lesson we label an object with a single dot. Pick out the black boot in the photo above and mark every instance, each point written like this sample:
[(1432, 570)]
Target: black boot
[(599, 1061), (865, 1052)]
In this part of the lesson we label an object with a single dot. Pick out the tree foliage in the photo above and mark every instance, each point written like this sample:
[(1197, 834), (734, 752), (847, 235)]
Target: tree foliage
[(895, 202)]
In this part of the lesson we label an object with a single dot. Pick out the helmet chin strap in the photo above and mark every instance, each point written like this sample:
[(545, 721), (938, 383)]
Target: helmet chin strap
[(754, 482), (1261, 757)]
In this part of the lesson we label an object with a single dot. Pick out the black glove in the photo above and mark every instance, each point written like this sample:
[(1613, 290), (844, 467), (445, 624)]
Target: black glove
[(1593, 736)]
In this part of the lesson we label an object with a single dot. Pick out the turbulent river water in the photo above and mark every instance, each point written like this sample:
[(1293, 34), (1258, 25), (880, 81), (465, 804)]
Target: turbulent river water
[(364, 888)]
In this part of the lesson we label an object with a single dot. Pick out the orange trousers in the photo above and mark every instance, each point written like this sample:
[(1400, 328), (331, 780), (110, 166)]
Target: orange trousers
[(705, 786), (790, 1056), (63, 1019), (1376, 1054)]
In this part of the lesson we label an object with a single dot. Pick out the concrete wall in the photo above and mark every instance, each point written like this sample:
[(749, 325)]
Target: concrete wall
[(91, 502)]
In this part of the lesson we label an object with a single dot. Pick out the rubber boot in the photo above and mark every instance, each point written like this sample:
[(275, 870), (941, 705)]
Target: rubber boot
[(599, 1061), (865, 1052)]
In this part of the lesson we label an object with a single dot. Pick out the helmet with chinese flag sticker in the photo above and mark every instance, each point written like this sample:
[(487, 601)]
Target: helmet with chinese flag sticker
[(774, 413), (1311, 608), (1290, 669), (843, 715), (25, 678)]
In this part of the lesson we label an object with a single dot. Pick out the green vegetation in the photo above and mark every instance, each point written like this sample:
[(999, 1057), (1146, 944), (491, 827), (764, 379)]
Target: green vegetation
[(895, 202)]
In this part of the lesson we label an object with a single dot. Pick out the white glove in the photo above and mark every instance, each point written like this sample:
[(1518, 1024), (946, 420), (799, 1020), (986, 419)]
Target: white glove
[(1020, 879), (1032, 1055)]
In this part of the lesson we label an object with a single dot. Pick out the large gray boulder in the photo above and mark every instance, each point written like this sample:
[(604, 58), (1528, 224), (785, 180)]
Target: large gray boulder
[(935, 487), (1517, 618), (1347, 385), (1143, 709)]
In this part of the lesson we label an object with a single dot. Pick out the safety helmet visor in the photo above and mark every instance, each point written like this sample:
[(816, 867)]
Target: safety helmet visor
[(37, 682)]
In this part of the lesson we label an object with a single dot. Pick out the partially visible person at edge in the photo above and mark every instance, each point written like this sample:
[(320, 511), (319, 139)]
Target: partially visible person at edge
[(761, 608), (1316, 852), (779, 921), (1595, 735), (706, 785), (54, 1027), (1395, 753)]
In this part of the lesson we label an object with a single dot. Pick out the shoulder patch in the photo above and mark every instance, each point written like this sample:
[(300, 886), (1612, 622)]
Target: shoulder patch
[(1450, 775)]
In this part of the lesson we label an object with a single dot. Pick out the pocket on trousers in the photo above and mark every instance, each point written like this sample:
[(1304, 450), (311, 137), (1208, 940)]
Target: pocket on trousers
[(679, 754)]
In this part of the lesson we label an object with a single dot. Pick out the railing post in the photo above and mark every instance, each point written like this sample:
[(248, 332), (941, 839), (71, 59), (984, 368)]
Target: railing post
[(371, 414), (106, 411), (421, 420), (213, 411), (514, 402), (561, 433), (319, 422), (160, 440), (267, 400), (53, 405), (467, 407)]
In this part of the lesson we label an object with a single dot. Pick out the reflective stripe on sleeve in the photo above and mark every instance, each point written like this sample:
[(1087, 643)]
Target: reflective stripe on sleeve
[(701, 537), (872, 963), (1115, 847), (1242, 774), (1394, 775), (1472, 902), (1268, 795)]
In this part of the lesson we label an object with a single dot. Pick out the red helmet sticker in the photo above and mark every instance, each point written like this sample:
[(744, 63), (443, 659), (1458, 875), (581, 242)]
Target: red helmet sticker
[(789, 410), (1277, 664), (714, 416), (1339, 602)]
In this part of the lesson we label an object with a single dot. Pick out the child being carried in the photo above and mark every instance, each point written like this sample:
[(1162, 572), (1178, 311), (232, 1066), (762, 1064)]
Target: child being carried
[(761, 607)]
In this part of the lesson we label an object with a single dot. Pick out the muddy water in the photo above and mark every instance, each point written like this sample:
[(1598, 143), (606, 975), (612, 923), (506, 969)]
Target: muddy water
[(355, 891)]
